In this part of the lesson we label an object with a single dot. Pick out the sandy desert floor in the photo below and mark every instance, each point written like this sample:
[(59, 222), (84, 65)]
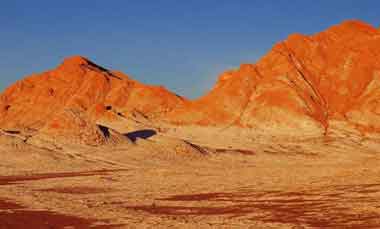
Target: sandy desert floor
[(162, 182)]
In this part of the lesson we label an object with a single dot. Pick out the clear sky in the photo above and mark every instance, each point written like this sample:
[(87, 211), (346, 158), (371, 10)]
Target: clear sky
[(183, 45)]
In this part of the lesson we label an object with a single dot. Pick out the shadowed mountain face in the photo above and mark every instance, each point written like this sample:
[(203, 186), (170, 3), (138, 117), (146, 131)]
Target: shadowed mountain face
[(303, 83)]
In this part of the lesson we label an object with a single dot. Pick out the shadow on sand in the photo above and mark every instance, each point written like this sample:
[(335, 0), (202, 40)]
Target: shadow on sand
[(143, 134), (328, 207), (13, 215)]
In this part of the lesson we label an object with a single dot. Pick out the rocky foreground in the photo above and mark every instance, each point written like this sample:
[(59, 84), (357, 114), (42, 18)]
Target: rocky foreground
[(291, 141)]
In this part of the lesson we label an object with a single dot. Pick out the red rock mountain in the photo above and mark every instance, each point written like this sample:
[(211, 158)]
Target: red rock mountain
[(81, 85), (304, 82)]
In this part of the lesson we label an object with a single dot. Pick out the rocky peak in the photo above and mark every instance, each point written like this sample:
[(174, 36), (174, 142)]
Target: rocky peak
[(76, 64)]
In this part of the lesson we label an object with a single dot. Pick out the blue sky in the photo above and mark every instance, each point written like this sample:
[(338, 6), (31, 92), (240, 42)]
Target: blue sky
[(183, 45)]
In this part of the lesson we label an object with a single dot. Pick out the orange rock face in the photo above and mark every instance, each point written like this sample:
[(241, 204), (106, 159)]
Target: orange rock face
[(304, 82), (79, 84)]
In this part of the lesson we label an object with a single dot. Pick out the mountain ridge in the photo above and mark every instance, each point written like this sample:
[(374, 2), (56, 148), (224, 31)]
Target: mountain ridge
[(303, 83)]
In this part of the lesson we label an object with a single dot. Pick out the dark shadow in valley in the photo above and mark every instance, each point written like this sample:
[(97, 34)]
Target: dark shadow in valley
[(105, 131), (333, 207), (15, 216), (12, 131), (143, 134)]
